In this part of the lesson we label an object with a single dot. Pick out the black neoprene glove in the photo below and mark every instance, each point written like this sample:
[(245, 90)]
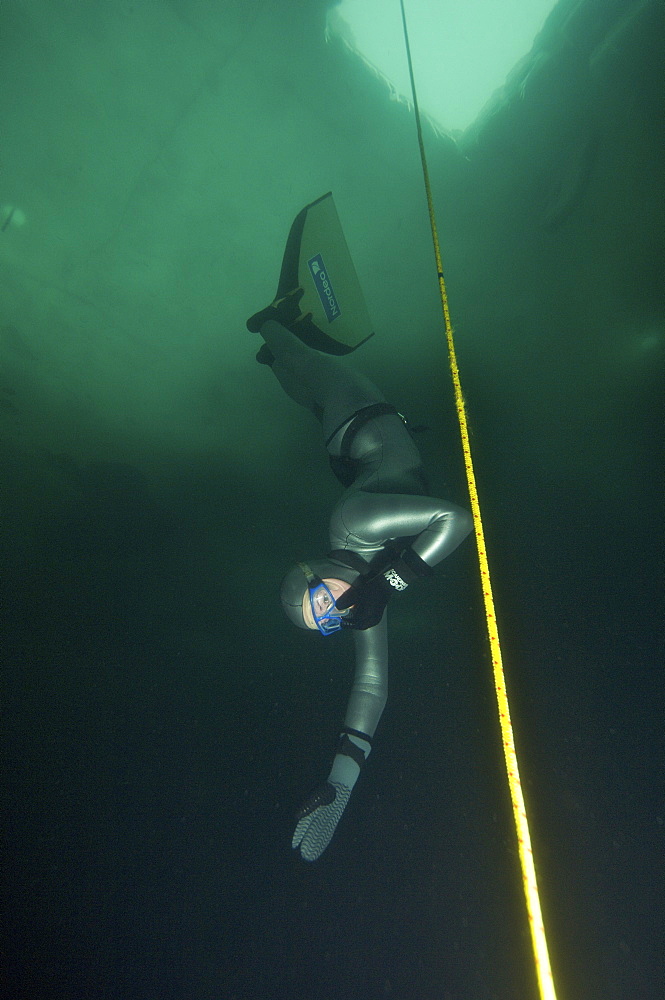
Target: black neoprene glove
[(370, 595)]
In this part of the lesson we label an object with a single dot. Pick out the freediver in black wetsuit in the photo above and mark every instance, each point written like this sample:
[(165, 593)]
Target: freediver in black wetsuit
[(385, 533)]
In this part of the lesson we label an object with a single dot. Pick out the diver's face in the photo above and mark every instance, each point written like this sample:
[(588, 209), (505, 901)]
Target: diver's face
[(336, 588)]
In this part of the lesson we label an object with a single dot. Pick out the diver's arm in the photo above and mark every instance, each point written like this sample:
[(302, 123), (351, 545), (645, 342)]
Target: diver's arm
[(370, 685), (365, 522), (319, 816), (377, 521), (447, 526)]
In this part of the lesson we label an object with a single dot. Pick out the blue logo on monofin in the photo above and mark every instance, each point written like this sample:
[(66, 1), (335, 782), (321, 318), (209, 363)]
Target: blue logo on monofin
[(324, 287)]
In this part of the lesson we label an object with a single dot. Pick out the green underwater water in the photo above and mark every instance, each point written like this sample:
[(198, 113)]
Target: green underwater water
[(162, 719)]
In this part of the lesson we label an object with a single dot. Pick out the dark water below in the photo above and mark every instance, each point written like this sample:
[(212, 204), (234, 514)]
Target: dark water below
[(160, 733)]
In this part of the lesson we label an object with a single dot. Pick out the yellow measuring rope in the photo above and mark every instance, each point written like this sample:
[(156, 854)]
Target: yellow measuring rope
[(538, 939)]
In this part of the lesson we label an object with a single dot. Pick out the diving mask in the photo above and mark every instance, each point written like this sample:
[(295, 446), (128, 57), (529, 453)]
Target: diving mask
[(326, 617)]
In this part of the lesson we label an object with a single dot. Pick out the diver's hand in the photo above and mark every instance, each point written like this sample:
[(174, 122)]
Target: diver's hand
[(319, 815), (366, 603), (318, 818), (368, 597)]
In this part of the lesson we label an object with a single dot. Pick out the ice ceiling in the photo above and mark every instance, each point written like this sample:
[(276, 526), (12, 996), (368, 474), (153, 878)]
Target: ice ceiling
[(463, 51), (155, 154)]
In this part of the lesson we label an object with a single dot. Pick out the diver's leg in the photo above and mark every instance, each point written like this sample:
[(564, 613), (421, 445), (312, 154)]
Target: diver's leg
[(326, 385)]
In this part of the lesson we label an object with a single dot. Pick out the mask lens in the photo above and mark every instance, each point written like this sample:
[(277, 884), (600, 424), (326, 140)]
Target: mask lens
[(323, 609), (321, 600)]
